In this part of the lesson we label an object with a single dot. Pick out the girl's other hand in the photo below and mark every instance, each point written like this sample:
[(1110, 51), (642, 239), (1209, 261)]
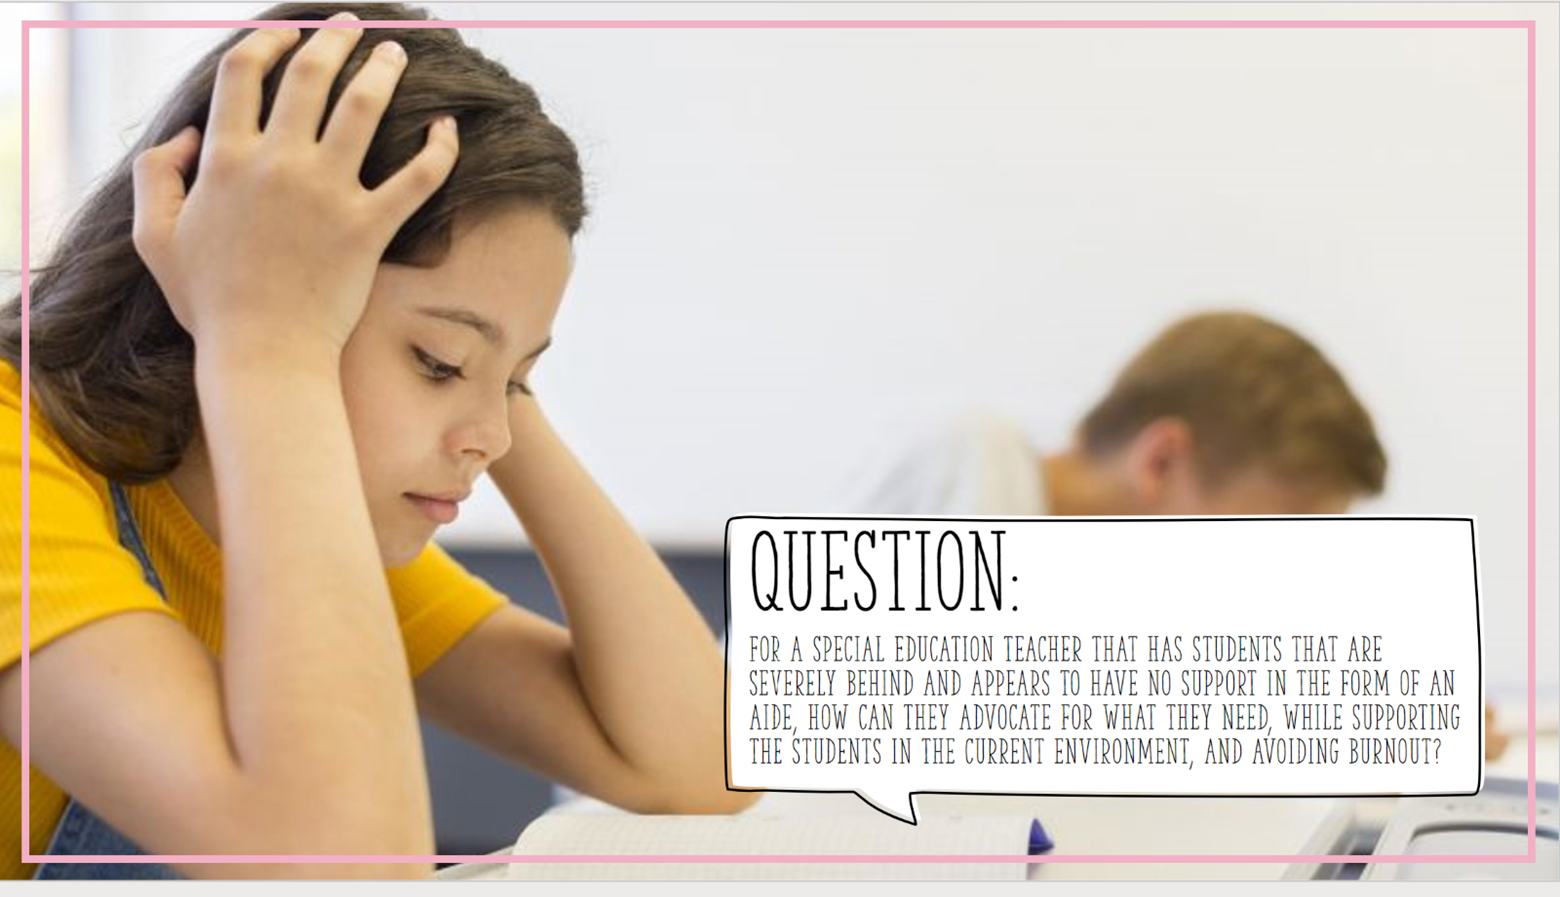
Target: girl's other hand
[(1495, 740), (278, 241)]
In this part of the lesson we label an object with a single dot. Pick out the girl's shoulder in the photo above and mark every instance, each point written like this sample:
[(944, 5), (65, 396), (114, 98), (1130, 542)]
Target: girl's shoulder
[(79, 571), (48, 452), (10, 388), (64, 493)]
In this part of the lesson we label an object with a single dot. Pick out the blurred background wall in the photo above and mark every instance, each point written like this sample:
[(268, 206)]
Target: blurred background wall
[(807, 243)]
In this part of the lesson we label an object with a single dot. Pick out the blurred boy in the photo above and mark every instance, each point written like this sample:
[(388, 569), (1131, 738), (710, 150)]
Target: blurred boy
[(1223, 413)]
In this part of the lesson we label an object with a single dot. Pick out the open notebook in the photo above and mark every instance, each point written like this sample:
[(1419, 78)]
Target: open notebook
[(753, 834)]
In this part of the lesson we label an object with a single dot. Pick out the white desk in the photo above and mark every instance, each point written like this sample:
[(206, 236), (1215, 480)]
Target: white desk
[(1141, 825), (1088, 825), (1126, 825)]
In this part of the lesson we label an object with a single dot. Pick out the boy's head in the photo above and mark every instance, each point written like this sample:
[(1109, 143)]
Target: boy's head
[(1229, 413)]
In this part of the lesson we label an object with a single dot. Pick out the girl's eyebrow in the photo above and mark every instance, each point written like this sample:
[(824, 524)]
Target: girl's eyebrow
[(489, 330)]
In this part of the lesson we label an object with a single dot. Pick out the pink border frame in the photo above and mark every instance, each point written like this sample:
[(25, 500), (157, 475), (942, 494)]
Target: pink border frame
[(1529, 27)]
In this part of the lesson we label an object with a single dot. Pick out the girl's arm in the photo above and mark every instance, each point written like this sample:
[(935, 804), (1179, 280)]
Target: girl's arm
[(303, 737), (628, 703)]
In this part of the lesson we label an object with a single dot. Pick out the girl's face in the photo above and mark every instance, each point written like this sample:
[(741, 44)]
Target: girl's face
[(439, 358)]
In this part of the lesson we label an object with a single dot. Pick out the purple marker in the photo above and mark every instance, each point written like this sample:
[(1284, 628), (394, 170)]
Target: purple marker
[(1039, 841)]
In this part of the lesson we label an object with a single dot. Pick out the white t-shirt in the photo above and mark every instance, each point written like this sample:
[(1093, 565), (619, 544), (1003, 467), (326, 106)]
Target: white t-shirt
[(974, 465)]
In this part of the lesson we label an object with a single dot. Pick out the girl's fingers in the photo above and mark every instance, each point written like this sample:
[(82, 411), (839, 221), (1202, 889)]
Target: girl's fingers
[(358, 111), (235, 100), (406, 190), (158, 176), (305, 88)]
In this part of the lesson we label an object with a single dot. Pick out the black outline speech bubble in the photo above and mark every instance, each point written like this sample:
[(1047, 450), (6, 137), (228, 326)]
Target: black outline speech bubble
[(910, 795)]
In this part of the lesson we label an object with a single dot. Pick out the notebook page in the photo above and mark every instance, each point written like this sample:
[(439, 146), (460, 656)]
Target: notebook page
[(756, 834)]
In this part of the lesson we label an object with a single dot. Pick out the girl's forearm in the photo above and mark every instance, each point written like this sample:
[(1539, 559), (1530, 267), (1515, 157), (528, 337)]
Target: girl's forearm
[(646, 661), (315, 687)]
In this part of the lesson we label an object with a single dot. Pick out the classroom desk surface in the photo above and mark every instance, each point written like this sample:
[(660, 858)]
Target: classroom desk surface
[(1129, 825), (1172, 826), (1090, 825)]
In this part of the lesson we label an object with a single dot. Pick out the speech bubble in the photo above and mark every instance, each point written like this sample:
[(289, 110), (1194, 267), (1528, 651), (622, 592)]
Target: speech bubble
[(895, 656)]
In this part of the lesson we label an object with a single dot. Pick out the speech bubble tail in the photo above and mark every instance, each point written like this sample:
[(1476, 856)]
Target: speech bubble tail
[(899, 805)]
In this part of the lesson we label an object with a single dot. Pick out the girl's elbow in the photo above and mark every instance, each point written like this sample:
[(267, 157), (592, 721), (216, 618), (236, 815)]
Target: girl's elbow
[(305, 871), (335, 822), (696, 801), (732, 802)]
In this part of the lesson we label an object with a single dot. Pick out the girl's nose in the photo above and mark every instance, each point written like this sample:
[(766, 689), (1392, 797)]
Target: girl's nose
[(485, 433)]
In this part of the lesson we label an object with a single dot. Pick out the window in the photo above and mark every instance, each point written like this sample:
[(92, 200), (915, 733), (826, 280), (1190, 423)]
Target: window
[(48, 84)]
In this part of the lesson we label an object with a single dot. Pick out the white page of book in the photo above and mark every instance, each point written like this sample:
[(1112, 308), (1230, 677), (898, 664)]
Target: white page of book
[(771, 835)]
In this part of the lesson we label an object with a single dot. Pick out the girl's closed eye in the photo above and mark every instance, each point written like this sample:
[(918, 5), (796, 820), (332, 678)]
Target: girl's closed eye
[(439, 371)]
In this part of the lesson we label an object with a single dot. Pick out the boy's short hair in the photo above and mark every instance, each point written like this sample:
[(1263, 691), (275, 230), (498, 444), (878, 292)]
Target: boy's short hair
[(1255, 394)]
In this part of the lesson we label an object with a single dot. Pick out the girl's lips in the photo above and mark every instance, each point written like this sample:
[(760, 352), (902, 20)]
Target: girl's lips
[(434, 509)]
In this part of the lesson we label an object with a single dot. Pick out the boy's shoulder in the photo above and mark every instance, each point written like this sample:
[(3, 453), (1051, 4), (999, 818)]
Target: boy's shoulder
[(976, 462)]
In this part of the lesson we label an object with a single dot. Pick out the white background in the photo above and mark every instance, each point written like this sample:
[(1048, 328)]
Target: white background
[(804, 242)]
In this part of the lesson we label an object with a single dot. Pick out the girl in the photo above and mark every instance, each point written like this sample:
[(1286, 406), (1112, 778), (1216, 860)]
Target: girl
[(270, 355)]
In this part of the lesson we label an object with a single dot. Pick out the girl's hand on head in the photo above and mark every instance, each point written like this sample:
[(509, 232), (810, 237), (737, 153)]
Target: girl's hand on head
[(277, 242)]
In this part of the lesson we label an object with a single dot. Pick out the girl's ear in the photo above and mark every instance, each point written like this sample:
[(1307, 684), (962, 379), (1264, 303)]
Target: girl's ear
[(1161, 463)]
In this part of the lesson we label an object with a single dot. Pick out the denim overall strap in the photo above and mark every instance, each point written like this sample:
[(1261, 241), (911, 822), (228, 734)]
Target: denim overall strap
[(80, 832)]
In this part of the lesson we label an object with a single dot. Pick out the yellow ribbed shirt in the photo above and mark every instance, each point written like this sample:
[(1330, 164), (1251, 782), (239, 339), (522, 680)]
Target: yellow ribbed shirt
[(79, 573)]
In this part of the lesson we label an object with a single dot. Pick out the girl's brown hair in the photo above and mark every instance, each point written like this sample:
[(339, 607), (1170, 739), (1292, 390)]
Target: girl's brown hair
[(114, 372)]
